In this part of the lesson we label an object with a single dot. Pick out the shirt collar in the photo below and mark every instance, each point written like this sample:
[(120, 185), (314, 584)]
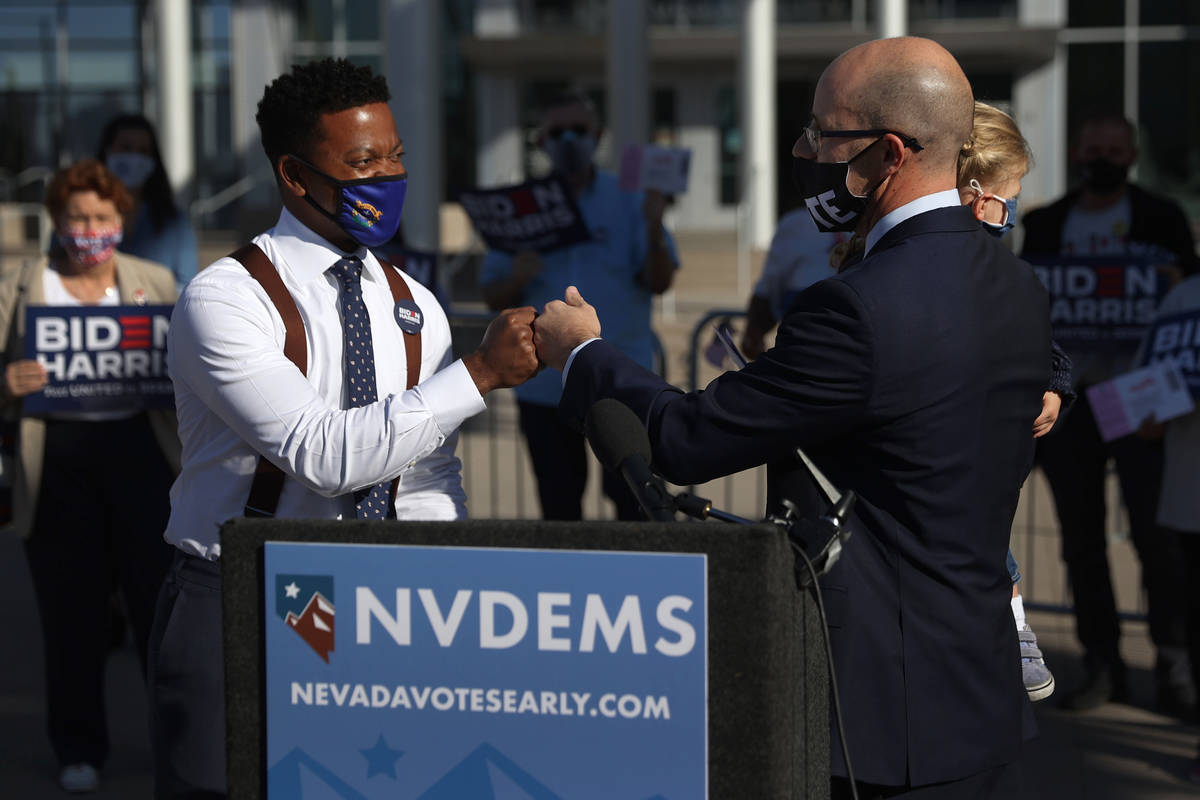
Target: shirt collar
[(309, 255), (944, 199)]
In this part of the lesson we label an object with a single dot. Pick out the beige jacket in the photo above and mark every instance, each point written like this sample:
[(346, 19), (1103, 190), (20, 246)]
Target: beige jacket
[(136, 277)]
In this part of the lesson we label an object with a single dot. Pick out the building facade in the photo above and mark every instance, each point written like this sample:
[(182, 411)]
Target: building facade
[(485, 67)]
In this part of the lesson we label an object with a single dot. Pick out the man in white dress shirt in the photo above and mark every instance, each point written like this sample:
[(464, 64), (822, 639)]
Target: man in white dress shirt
[(332, 141)]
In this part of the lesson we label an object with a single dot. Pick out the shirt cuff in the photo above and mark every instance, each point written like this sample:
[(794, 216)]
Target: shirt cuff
[(451, 396), (570, 358)]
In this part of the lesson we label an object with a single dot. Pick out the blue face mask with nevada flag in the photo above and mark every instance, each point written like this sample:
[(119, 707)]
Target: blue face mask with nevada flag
[(368, 208)]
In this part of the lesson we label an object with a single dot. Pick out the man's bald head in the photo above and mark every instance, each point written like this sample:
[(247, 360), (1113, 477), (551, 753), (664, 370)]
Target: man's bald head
[(909, 85)]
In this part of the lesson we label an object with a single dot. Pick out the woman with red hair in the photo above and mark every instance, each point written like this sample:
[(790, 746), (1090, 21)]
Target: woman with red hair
[(90, 488)]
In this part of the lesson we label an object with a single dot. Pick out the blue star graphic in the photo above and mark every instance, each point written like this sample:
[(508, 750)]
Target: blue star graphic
[(381, 759)]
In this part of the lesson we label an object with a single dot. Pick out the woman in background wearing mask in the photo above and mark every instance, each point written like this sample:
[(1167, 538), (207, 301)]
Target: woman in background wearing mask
[(157, 229), (990, 169), (90, 488)]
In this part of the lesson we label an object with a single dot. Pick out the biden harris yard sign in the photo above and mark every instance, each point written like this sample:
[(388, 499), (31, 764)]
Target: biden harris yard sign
[(435, 673), (1101, 303), (99, 358)]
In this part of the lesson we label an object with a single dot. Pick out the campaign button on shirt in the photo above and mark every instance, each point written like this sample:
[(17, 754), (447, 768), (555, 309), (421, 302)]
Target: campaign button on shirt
[(409, 317)]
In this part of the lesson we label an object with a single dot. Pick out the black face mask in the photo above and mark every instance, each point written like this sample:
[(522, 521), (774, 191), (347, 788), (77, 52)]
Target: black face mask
[(823, 186), (1103, 176)]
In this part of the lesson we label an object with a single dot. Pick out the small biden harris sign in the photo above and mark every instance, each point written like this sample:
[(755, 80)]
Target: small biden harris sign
[(439, 673), (99, 358), (539, 215), (1176, 338)]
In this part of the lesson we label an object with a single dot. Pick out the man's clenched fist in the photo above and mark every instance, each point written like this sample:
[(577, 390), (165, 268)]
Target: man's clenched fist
[(506, 357)]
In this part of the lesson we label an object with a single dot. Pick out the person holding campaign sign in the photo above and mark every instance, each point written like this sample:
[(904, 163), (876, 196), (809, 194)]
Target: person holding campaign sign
[(1176, 336), (1179, 503), (1109, 216), (312, 381), (90, 486), (629, 259)]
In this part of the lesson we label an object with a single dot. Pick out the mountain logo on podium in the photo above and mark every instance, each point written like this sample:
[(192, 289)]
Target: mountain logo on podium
[(486, 772), (305, 604), (300, 776)]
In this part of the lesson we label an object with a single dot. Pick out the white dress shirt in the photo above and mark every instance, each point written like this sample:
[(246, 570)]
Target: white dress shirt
[(237, 395), (944, 199)]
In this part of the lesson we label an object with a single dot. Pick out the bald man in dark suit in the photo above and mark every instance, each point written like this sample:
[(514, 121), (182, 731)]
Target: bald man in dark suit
[(910, 378)]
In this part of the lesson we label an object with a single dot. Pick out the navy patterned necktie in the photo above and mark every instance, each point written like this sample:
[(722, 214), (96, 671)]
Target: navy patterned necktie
[(359, 369)]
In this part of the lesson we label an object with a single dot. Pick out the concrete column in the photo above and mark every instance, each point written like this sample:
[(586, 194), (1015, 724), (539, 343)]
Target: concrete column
[(699, 208), (261, 52), (858, 15), (1132, 65), (413, 31), (892, 18), (501, 156), (628, 89), (1042, 12), (496, 18), (1040, 109), (175, 128), (757, 99)]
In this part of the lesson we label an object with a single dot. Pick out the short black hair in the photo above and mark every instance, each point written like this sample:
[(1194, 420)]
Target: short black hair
[(292, 104)]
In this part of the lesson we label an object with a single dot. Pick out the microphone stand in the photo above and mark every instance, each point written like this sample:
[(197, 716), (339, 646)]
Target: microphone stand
[(702, 508), (820, 540), (621, 445)]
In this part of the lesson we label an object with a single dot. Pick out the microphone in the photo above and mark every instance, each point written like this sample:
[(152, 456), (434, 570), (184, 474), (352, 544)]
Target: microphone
[(622, 445)]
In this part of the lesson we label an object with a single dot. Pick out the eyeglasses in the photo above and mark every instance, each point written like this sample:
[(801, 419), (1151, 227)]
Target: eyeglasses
[(557, 131), (812, 137)]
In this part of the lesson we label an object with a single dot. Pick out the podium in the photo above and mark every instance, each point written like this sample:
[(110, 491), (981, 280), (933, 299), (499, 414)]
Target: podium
[(520, 658)]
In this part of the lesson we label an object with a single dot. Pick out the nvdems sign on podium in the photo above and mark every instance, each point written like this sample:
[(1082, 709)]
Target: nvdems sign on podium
[(449, 673), (99, 358)]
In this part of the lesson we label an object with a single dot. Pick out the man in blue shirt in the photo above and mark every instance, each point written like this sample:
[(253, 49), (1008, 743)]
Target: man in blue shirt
[(631, 258)]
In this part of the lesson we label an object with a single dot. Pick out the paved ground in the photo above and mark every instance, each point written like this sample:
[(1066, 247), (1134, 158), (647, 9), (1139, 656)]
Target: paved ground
[(28, 770)]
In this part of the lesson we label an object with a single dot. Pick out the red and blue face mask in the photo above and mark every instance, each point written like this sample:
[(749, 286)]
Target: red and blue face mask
[(89, 248), (368, 208)]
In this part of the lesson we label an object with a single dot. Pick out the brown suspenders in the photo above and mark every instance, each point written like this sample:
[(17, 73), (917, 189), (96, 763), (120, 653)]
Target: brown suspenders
[(268, 478)]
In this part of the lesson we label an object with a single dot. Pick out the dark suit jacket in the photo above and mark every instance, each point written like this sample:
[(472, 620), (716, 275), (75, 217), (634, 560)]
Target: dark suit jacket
[(912, 378)]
